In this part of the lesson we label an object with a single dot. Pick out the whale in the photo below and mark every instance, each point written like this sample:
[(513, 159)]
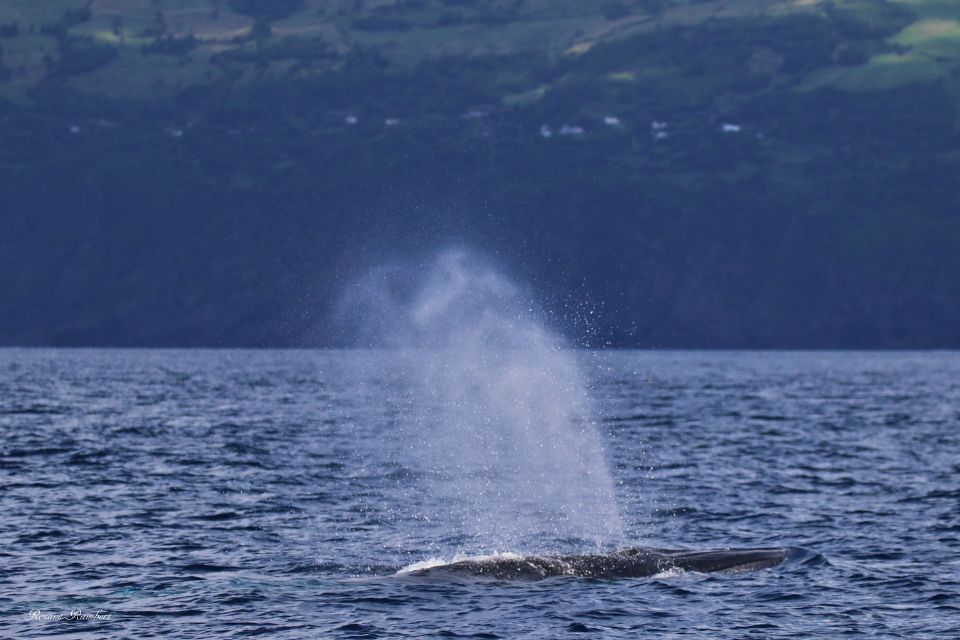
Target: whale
[(632, 562)]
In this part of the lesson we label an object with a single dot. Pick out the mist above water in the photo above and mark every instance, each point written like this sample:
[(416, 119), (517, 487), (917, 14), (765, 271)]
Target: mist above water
[(500, 426)]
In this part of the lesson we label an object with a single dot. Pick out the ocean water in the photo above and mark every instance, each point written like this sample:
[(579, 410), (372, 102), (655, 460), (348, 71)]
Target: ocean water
[(232, 494)]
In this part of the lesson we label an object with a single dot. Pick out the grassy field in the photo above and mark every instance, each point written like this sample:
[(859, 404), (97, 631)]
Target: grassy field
[(161, 47), (926, 50), (576, 60)]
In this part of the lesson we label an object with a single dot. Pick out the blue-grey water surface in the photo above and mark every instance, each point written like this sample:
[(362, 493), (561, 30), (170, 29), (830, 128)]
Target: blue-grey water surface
[(198, 494)]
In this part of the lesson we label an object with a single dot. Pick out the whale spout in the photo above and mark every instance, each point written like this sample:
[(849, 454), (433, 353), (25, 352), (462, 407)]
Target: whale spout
[(633, 562)]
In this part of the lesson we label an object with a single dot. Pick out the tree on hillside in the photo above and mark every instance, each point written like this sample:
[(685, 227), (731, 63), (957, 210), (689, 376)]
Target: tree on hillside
[(266, 9)]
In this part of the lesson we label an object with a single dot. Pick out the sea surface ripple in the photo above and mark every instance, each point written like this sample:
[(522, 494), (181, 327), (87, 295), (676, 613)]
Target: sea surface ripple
[(232, 494)]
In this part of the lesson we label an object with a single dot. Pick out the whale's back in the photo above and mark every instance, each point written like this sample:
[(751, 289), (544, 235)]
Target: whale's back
[(634, 562)]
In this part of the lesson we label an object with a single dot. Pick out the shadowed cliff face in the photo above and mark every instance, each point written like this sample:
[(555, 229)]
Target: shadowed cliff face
[(164, 249), (753, 181)]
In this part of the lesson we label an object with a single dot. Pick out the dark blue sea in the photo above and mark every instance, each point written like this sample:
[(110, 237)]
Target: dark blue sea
[(234, 494)]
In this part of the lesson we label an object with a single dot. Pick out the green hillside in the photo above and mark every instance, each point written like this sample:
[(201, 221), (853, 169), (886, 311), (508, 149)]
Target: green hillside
[(729, 173), (156, 48)]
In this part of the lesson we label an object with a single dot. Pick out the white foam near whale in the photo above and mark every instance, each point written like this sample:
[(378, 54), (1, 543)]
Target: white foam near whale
[(431, 563)]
